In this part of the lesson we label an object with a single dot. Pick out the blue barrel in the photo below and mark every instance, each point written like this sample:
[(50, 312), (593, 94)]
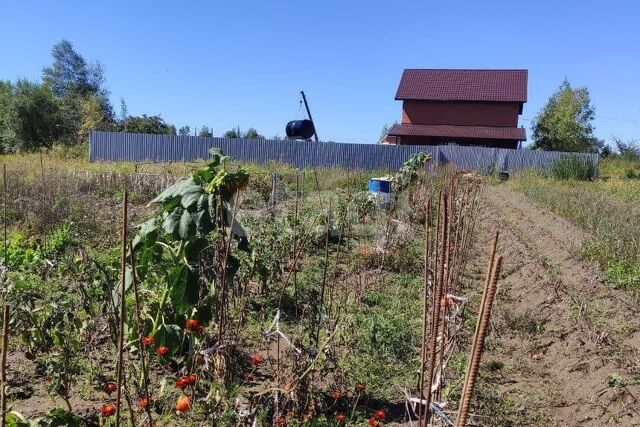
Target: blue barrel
[(381, 189), (379, 185)]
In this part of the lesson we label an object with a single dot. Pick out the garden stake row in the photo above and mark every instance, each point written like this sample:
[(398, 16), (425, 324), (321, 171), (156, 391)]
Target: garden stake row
[(478, 343), (3, 364), (123, 263)]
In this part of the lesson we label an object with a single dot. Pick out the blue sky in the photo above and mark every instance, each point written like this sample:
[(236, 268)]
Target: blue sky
[(243, 63)]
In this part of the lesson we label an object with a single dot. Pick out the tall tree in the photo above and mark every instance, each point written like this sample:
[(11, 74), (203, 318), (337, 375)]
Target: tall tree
[(70, 74), (184, 131), (79, 86), (566, 122)]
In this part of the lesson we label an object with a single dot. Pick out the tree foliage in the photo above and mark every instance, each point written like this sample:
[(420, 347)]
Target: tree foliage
[(30, 116), (628, 150), (145, 124), (205, 131), (566, 122), (70, 74), (70, 101)]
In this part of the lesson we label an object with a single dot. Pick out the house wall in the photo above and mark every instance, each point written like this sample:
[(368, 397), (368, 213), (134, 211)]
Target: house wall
[(429, 140), (460, 113)]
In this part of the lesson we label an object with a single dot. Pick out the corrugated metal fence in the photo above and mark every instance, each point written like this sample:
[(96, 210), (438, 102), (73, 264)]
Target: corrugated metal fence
[(135, 147)]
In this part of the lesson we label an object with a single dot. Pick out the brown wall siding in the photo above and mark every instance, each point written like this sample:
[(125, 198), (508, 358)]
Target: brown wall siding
[(429, 140), (460, 113)]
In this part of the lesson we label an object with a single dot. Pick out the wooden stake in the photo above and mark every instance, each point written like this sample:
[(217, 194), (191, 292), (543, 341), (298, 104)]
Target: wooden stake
[(295, 247), (123, 271)]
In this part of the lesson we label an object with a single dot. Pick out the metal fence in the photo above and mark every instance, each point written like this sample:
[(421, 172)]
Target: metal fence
[(135, 147)]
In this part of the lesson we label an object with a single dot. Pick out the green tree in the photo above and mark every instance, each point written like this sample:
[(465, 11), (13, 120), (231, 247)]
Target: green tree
[(566, 122), (252, 133), (629, 150), (79, 86), (93, 116), (184, 131), (205, 131), (70, 74), (233, 133), (146, 124), (30, 116)]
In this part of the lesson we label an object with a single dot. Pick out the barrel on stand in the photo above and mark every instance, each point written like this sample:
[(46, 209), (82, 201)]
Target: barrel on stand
[(300, 129), (380, 188)]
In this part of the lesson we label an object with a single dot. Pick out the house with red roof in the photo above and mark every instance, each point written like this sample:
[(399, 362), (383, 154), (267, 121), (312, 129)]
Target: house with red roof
[(461, 107)]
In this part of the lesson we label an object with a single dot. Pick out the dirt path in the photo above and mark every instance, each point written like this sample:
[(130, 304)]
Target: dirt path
[(570, 344)]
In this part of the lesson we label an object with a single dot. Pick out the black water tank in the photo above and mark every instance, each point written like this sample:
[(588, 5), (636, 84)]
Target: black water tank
[(300, 129)]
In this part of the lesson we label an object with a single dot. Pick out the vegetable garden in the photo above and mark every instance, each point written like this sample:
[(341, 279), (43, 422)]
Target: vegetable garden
[(237, 296)]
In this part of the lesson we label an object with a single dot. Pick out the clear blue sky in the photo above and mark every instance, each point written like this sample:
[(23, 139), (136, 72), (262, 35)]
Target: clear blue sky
[(223, 63)]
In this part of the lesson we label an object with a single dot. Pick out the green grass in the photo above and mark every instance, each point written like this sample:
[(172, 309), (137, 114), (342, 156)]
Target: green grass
[(573, 167), (608, 208)]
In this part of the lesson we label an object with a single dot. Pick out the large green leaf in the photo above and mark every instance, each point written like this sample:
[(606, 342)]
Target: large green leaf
[(172, 222), (178, 189), (187, 226), (193, 248), (183, 288), (190, 198)]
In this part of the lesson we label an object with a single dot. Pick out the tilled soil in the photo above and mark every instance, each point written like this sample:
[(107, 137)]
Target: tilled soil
[(570, 343)]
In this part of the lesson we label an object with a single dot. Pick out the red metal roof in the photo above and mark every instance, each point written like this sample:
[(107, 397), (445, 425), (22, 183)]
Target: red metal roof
[(449, 131), (463, 85)]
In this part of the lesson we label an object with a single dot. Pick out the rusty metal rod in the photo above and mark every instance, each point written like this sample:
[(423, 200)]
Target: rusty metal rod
[(425, 321), (435, 319), (476, 355)]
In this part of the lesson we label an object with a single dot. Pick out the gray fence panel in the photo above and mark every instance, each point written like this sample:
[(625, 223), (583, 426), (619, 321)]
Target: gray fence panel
[(132, 147)]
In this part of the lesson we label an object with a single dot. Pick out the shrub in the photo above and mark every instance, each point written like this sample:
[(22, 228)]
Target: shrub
[(573, 167)]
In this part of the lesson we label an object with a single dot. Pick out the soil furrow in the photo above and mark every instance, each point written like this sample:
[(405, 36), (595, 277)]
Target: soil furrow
[(569, 347)]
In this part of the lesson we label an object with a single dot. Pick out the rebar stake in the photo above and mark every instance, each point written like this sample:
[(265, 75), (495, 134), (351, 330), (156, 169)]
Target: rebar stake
[(474, 364)]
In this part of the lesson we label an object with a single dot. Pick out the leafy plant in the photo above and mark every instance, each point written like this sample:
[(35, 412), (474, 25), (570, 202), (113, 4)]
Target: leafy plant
[(196, 214)]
